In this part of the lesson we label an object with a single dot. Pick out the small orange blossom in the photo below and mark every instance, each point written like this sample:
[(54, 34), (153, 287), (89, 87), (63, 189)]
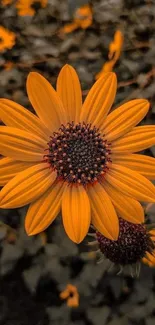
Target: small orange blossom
[(71, 294), (82, 19), (7, 39), (25, 6), (115, 49)]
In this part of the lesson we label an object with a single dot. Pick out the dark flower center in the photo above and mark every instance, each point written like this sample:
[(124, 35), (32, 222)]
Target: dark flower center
[(78, 153), (132, 244)]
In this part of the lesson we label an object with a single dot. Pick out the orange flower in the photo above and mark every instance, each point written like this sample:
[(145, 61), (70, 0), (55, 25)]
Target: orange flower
[(7, 39), (82, 19), (115, 49), (83, 16), (71, 294), (76, 159), (25, 7)]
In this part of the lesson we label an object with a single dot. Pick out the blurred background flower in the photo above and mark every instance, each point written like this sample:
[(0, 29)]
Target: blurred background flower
[(7, 39), (115, 49), (71, 295), (27, 7), (82, 19)]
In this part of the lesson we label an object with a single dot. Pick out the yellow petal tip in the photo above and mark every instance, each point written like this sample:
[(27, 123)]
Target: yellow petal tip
[(110, 76), (32, 75), (31, 233), (76, 239), (29, 230), (116, 237), (115, 233), (67, 67)]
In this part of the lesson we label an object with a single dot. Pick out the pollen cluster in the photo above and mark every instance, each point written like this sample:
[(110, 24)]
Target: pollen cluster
[(132, 244), (78, 153)]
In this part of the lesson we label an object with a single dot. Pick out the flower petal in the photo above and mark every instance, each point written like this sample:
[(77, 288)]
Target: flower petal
[(124, 118), (99, 100), (27, 186), (141, 137), (127, 208), (104, 217), (21, 145), (14, 115), (152, 234), (131, 183), (149, 259), (142, 164), (69, 90), (10, 168), (45, 101), (76, 212), (44, 210)]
